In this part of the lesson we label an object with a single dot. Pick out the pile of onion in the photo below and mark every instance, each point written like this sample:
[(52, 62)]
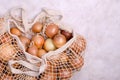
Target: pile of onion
[(56, 38)]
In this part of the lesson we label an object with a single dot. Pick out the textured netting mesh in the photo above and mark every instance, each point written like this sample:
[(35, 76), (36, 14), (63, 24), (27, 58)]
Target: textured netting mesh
[(9, 50), (59, 67), (63, 65)]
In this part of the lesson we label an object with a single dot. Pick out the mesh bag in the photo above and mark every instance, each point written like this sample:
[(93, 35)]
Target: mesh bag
[(9, 49), (17, 64), (62, 65)]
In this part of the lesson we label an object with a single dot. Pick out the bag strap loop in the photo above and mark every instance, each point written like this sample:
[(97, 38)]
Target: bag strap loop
[(52, 15)]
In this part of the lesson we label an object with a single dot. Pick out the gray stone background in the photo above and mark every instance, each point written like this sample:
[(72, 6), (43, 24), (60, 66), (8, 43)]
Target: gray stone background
[(97, 20)]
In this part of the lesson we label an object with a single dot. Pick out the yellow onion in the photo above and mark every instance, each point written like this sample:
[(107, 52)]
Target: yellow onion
[(33, 50), (65, 74), (78, 62), (15, 31), (64, 57), (7, 77), (51, 30), (59, 40), (49, 45), (41, 52), (25, 41), (37, 27), (38, 40), (49, 76), (7, 51)]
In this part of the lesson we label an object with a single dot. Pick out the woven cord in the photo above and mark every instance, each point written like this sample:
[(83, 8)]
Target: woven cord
[(52, 15)]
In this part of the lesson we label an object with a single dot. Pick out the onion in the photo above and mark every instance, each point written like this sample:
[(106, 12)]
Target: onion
[(15, 31), (49, 76), (64, 58), (59, 40), (33, 50), (51, 30), (78, 62), (3, 39), (37, 27), (49, 45), (7, 51), (7, 77), (25, 41), (41, 52), (65, 74), (67, 34), (38, 40)]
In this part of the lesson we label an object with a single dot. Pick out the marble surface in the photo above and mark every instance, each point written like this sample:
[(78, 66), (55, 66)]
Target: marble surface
[(97, 20)]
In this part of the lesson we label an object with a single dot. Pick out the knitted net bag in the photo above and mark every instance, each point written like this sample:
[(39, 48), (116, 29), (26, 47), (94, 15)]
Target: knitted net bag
[(17, 64)]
